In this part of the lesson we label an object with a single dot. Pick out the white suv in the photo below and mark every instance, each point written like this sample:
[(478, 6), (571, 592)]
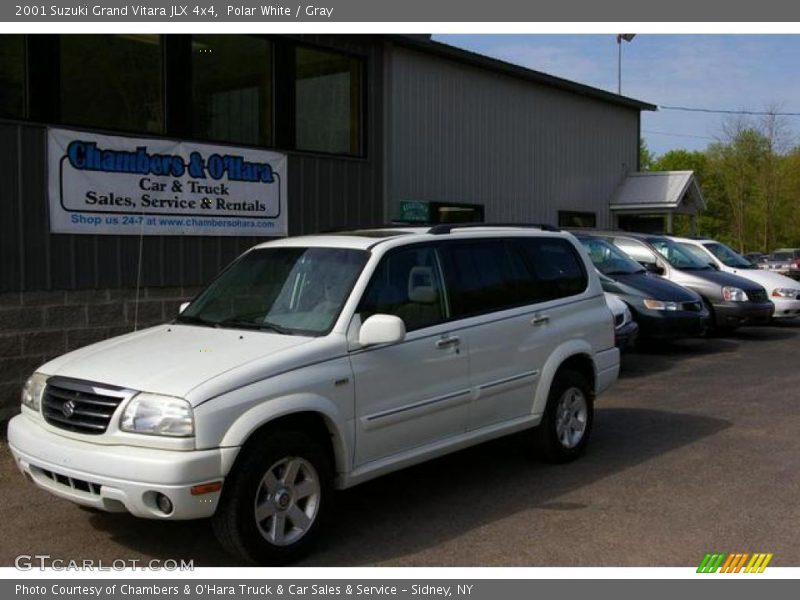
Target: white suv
[(320, 362)]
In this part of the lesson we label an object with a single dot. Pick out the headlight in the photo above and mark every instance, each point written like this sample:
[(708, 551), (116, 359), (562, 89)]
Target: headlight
[(660, 304), (785, 293), (734, 294), (32, 391), (158, 415)]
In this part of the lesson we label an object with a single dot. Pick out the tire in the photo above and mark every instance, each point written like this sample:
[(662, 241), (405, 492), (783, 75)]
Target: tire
[(284, 477), (712, 329), (566, 426)]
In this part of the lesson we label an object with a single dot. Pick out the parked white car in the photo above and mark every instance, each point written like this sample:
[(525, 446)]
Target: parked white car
[(626, 329), (320, 362), (784, 292)]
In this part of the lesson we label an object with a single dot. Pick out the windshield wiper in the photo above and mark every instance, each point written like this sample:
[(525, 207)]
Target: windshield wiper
[(239, 323), (190, 320)]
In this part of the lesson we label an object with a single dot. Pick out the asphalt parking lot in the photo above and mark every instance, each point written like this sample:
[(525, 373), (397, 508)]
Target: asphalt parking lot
[(695, 449)]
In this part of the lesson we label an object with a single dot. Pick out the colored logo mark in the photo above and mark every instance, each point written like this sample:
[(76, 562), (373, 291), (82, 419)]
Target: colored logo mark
[(734, 563)]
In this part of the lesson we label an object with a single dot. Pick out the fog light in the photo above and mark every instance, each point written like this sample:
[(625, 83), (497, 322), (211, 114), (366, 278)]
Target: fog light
[(164, 504)]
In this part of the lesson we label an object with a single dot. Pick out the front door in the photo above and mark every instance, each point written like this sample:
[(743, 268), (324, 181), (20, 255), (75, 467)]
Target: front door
[(415, 392)]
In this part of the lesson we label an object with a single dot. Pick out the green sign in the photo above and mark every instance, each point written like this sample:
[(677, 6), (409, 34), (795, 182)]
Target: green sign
[(414, 211)]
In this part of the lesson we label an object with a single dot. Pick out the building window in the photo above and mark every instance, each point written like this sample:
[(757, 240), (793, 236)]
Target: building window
[(112, 81), (232, 89), (450, 212), (328, 111), (572, 218), (12, 75)]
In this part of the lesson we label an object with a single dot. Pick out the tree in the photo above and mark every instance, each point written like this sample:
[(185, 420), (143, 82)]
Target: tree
[(713, 220), (775, 130), (646, 157), (737, 161), (750, 179)]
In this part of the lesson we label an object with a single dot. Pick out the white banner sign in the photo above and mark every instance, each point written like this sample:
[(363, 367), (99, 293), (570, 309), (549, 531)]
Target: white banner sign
[(102, 184)]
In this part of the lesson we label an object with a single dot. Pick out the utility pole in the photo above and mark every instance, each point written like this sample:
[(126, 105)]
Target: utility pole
[(621, 37)]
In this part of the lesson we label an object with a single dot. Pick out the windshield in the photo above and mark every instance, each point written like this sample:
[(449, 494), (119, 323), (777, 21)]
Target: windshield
[(608, 259), (729, 257), (676, 256), (286, 290), (698, 253)]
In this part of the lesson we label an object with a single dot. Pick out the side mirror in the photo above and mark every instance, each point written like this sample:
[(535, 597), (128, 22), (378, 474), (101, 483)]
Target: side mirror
[(182, 307), (654, 268), (382, 329)]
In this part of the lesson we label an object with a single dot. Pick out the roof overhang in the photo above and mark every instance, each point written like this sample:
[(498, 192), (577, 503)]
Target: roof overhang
[(424, 43), (659, 192)]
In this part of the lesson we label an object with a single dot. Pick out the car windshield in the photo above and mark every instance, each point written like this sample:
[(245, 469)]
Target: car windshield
[(699, 253), (293, 291), (783, 256), (676, 256), (728, 257), (608, 259)]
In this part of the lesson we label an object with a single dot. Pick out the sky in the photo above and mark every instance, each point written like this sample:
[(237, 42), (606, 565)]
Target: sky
[(729, 72)]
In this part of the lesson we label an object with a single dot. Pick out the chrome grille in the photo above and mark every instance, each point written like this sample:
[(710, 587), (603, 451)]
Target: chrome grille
[(757, 295), (78, 410)]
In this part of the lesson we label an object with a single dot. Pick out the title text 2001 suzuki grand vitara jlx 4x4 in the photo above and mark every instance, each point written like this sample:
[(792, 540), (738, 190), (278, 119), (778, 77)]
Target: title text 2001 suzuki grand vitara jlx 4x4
[(320, 362)]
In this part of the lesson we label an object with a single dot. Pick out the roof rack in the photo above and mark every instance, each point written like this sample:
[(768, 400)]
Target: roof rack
[(446, 228), (392, 225)]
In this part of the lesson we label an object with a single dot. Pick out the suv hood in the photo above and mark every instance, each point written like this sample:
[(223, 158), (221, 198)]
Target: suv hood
[(170, 359)]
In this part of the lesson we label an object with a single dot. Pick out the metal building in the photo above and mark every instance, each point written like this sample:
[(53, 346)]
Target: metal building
[(464, 129)]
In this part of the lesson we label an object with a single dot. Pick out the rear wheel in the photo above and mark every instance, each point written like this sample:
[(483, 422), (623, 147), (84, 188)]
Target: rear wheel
[(273, 502), (567, 423)]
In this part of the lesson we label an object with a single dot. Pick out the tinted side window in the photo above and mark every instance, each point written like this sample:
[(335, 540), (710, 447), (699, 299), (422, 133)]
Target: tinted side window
[(557, 267), (406, 284), (485, 276)]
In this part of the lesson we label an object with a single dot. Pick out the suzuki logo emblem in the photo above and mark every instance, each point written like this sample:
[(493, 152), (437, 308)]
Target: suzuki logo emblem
[(68, 409)]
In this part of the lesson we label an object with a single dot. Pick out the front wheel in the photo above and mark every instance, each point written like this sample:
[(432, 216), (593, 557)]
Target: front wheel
[(567, 422), (272, 502)]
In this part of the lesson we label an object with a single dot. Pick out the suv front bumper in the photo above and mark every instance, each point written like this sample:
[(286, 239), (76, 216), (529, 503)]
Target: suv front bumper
[(118, 478)]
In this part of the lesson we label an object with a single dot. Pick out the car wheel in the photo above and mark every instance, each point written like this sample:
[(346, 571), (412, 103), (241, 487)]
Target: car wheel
[(712, 327), (272, 503), (567, 422)]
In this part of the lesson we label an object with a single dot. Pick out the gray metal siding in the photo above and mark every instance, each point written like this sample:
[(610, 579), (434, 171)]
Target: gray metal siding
[(324, 192), (524, 151)]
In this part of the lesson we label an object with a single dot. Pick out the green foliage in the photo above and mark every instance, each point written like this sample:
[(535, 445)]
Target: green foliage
[(645, 156), (750, 186)]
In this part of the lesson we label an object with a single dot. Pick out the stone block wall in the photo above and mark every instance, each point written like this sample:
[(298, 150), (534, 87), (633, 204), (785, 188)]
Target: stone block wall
[(38, 326)]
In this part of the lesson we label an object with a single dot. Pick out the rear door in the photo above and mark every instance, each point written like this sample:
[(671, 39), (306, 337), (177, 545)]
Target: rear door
[(505, 295)]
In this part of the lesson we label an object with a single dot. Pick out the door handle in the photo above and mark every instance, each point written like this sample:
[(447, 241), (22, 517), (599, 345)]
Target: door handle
[(539, 320), (446, 342)]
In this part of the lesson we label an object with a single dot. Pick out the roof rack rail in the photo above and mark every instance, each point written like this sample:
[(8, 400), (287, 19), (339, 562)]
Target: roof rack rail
[(445, 228), (392, 225)]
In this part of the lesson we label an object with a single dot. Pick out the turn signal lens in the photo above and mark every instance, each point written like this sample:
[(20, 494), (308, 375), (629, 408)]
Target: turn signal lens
[(206, 488)]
